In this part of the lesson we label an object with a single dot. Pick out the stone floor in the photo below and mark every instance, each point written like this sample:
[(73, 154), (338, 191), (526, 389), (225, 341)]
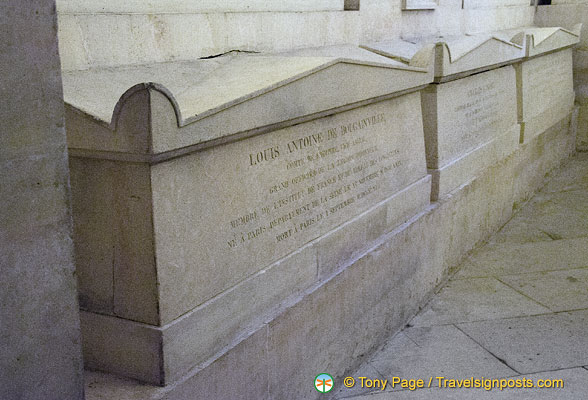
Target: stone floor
[(517, 308)]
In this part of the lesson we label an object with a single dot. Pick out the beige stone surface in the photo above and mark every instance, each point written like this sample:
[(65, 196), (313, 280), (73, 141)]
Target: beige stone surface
[(419, 5), (469, 124), (467, 113), (573, 177), (40, 351), (504, 258), (549, 216), (582, 140), (186, 6), (475, 52), (168, 353), (454, 54), (558, 290), (443, 233), (228, 225), (476, 300), (545, 80), (111, 33), (550, 344), (545, 92), (188, 234), (98, 91), (212, 101), (419, 353), (527, 343), (567, 14), (346, 51), (471, 164), (397, 273), (269, 195), (240, 374), (165, 355), (357, 235), (114, 241), (539, 40), (540, 123), (399, 49), (564, 13), (187, 209), (215, 326), (122, 347), (376, 308), (495, 3), (544, 153)]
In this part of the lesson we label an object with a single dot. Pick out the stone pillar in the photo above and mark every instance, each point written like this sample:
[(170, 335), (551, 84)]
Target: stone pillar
[(40, 355)]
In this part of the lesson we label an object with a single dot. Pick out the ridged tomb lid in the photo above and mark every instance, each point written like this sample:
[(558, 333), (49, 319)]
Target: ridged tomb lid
[(454, 55), (275, 88), (540, 40)]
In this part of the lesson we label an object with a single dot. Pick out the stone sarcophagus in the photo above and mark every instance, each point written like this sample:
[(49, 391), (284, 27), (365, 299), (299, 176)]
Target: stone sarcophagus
[(208, 194), (470, 112), (545, 87)]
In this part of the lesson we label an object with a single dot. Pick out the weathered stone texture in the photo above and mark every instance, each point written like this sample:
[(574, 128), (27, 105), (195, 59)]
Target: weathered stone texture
[(40, 354)]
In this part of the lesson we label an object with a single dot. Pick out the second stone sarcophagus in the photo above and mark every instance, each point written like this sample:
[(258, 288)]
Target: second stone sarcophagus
[(470, 112)]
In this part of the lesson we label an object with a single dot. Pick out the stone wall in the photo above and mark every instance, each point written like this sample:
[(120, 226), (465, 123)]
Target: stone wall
[(40, 355), (109, 32)]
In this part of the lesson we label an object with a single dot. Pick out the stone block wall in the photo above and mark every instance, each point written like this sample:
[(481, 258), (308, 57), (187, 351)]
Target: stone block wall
[(40, 351), (109, 32)]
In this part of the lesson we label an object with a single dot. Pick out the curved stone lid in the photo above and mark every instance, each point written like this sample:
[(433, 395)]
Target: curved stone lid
[(273, 88), (344, 52), (454, 54), (194, 87), (536, 40)]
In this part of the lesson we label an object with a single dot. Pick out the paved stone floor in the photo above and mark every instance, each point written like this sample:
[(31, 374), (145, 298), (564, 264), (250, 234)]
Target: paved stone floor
[(517, 308)]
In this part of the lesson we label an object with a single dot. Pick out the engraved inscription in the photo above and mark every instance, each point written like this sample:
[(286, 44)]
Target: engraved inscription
[(327, 171), (227, 212), (480, 108), (547, 80), (474, 111)]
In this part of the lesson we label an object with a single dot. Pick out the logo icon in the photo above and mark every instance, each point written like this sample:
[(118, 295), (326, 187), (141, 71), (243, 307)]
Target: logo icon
[(323, 383)]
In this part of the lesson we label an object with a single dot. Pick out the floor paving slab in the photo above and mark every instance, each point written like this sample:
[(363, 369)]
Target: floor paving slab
[(366, 370), (536, 343), (102, 386), (574, 389), (573, 176), (419, 353), (478, 299), (559, 215), (518, 258), (558, 290)]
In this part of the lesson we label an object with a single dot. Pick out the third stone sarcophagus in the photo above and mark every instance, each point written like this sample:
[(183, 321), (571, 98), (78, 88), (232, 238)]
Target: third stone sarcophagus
[(544, 78), (208, 194)]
